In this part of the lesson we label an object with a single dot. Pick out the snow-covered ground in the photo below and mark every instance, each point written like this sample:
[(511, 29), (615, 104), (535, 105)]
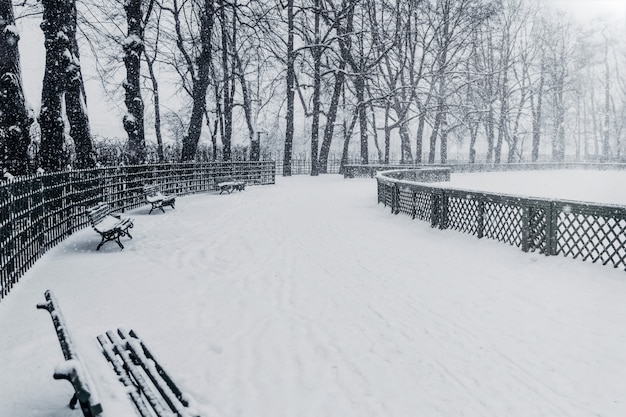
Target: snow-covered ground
[(591, 186), (306, 298)]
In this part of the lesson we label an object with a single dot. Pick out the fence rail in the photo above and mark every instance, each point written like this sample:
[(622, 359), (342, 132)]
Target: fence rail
[(574, 229), (370, 170), (38, 212)]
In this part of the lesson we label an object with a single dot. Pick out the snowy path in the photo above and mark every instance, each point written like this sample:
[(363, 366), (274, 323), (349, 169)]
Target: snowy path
[(306, 299)]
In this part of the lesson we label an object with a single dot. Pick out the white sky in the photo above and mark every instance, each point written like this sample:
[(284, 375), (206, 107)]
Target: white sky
[(590, 9)]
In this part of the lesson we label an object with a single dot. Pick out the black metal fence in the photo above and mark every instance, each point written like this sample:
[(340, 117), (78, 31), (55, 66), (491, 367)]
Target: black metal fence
[(37, 212), (575, 229)]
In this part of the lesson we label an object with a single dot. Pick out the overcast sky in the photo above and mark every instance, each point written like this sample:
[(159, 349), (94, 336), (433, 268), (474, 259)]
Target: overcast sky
[(590, 9)]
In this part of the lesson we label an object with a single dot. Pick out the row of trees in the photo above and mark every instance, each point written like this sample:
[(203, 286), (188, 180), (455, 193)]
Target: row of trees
[(503, 80)]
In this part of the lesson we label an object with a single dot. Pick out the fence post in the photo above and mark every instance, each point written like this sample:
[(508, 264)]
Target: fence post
[(443, 224), (526, 212), (435, 209), (395, 199), (551, 230), (480, 232)]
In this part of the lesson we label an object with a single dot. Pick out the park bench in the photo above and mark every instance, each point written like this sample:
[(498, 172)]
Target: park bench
[(157, 199), (229, 184), (110, 226), (150, 388), (72, 369)]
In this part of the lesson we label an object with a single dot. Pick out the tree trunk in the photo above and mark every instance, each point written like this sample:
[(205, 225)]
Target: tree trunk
[(291, 78), (536, 111), (405, 143), (76, 105), (157, 110), (443, 144), (200, 84), (419, 136), (439, 116), (489, 131), (317, 85), (229, 85), (331, 117), (133, 48), (347, 134), (56, 15), (15, 119), (359, 86)]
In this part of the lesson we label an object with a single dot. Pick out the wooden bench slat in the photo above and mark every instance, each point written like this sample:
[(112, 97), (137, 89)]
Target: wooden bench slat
[(143, 375)]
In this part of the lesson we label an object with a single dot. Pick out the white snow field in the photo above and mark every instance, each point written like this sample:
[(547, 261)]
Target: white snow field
[(307, 299)]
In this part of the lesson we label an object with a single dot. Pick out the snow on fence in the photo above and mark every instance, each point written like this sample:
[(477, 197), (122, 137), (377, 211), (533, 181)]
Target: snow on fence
[(370, 170), (576, 229), (38, 212)]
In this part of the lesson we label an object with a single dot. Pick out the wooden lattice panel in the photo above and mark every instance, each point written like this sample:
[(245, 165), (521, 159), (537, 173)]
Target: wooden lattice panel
[(423, 206), (576, 229), (463, 215), (503, 222), (406, 200), (594, 237)]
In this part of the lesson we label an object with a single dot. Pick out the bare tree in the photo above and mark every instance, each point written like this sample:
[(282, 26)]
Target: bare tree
[(15, 116)]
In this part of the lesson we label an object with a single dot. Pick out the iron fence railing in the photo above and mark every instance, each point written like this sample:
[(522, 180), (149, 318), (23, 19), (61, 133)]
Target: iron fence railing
[(38, 212), (588, 231)]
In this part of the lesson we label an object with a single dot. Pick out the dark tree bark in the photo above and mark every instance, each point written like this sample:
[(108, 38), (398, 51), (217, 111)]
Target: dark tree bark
[(15, 119), (133, 48), (56, 20), (331, 117), (317, 85), (157, 109), (359, 86), (76, 104), (150, 60), (200, 84), (291, 79), (228, 83)]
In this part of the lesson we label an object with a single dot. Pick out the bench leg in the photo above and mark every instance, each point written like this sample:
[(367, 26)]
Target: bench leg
[(73, 401)]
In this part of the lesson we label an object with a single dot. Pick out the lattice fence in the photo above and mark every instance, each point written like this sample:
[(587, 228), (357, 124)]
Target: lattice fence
[(591, 232), (38, 212)]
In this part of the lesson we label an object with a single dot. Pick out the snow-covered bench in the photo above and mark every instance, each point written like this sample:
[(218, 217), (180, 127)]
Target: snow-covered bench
[(109, 226), (157, 199), (150, 388), (72, 368), (229, 184)]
